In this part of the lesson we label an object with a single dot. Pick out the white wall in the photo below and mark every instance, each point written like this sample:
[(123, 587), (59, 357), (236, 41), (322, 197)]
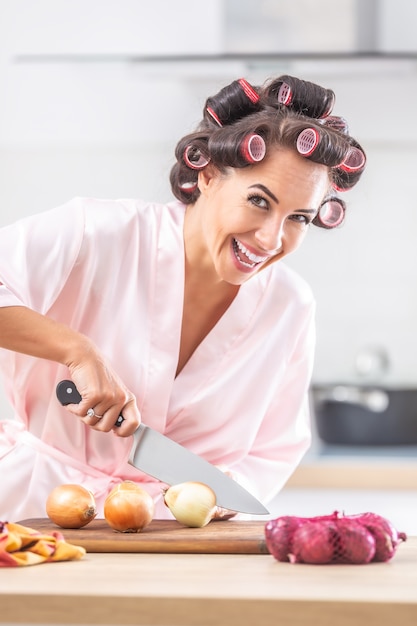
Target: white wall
[(108, 128)]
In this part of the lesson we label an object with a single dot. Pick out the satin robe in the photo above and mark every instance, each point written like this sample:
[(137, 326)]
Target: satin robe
[(114, 270)]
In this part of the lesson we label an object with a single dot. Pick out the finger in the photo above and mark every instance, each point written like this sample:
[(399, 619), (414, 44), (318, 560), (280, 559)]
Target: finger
[(131, 420), (92, 418)]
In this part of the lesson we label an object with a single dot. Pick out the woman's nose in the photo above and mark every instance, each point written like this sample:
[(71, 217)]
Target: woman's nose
[(270, 236)]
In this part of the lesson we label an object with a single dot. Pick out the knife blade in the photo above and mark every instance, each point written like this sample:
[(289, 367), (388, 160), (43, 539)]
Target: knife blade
[(164, 459)]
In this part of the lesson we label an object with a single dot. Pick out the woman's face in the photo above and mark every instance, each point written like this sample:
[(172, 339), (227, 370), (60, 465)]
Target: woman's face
[(254, 216)]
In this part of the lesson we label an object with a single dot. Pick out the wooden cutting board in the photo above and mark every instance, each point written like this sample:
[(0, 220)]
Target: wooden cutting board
[(164, 536)]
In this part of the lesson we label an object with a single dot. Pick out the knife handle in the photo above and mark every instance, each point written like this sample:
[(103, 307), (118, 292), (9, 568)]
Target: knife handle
[(67, 393)]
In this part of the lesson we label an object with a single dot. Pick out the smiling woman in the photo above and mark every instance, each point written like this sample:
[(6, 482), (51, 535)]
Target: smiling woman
[(179, 315)]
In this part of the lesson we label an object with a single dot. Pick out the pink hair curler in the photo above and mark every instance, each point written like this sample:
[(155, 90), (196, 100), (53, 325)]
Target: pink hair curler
[(336, 123), (188, 187), (307, 141), (249, 90), (194, 159), (331, 213), (253, 148), (285, 94), (354, 160), (214, 116)]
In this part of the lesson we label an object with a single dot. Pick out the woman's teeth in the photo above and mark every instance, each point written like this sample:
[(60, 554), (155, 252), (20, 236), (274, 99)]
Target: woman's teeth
[(240, 250)]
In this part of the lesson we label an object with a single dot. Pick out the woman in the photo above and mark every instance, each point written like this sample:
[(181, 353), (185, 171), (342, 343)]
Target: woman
[(178, 315)]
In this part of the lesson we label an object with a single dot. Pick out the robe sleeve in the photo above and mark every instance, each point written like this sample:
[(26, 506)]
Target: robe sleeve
[(37, 254)]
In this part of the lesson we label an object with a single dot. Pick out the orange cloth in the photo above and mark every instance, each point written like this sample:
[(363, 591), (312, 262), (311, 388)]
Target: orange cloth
[(20, 545)]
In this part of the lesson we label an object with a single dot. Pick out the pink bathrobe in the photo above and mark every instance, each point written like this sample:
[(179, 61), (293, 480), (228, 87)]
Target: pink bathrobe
[(114, 270)]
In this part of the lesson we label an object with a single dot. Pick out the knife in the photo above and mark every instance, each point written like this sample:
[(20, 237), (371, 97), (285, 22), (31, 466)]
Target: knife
[(164, 459)]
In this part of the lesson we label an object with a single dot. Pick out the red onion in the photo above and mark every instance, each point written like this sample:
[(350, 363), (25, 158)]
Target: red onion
[(279, 534), (313, 542), (386, 536), (355, 543)]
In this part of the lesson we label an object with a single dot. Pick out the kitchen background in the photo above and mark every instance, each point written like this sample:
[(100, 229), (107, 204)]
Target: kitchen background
[(94, 95)]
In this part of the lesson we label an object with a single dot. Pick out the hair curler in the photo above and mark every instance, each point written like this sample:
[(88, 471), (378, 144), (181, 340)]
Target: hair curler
[(253, 148), (249, 90), (194, 158), (331, 213), (213, 115), (307, 141), (354, 160), (188, 187), (285, 94), (337, 123)]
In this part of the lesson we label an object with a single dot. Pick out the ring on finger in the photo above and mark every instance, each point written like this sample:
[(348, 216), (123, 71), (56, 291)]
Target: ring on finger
[(90, 413)]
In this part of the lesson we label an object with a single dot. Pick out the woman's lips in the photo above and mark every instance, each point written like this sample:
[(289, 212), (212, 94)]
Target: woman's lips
[(247, 258)]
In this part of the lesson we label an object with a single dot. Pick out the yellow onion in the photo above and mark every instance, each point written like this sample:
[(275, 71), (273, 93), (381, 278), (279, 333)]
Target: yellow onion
[(191, 503), (128, 508), (71, 506)]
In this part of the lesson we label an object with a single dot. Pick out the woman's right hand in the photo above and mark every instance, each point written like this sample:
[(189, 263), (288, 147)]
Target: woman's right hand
[(29, 332), (103, 391)]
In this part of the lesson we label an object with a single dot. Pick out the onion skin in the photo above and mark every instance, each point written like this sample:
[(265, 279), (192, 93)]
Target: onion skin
[(128, 508), (191, 503), (71, 506)]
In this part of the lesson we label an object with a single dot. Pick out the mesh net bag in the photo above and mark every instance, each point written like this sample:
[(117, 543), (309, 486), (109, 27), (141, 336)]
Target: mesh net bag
[(335, 538)]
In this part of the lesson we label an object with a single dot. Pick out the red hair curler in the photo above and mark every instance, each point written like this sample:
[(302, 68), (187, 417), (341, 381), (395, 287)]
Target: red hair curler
[(213, 115), (354, 160), (194, 159), (331, 213), (253, 148), (285, 94), (249, 90), (307, 141)]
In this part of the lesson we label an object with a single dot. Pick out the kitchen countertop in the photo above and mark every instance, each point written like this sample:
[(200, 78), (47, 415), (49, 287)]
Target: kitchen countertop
[(357, 467), (211, 590), (356, 472)]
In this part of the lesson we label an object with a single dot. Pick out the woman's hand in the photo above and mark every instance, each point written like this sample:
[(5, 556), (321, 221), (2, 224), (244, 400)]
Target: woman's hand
[(26, 331), (104, 396)]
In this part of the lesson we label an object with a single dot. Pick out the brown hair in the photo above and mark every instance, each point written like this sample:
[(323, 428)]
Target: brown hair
[(278, 112)]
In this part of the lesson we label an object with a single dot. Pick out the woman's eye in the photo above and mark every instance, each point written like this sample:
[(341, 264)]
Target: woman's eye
[(301, 218), (259, 201)]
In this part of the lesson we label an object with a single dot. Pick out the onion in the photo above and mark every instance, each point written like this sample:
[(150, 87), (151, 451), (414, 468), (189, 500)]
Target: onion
[(386, 536), (191, 503), (356, 544), (313, 542), (279, 533), (128, 508), (71, 506)]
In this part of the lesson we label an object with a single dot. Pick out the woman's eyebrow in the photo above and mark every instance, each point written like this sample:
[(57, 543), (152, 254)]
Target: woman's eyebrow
[(273, 197), (265, 190)]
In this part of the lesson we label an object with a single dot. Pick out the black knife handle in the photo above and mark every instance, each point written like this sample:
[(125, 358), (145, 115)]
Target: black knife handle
[(67, 393)]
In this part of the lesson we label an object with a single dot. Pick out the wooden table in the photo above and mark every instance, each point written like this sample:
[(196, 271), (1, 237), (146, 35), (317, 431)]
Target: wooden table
[(211, 590)]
